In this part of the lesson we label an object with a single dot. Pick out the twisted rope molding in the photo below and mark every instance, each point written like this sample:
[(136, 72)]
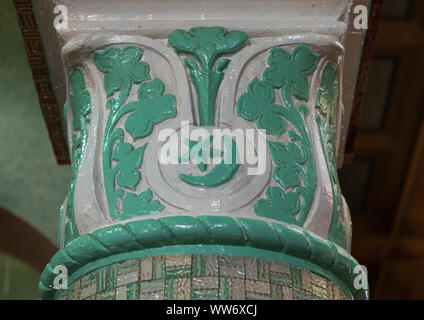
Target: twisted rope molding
[(206, 230)]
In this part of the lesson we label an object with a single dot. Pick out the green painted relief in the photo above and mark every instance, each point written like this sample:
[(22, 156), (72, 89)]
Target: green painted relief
[(207, 44), (203, 235), (196, 150), (294, 168), (221, 173), (80, 103), (327, 97), (122, 69)]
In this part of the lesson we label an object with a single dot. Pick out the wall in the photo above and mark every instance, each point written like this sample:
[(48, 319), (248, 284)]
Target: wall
[(32, 185)]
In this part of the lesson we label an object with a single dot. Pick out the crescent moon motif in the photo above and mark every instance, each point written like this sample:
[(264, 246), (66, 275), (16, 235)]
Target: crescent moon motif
[(220, 174)]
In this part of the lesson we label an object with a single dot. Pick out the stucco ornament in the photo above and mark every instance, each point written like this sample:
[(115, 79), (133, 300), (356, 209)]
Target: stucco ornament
[(294, 168), (122, 69), (80, 103), (207, 44), (133, 100)]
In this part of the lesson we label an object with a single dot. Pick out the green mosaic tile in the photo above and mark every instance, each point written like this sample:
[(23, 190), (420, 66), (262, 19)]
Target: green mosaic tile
[(231, 266), (178, 261), (321, 292), (263, 270), (231, 289), (101, 279), (205, 288), (276, 293), (224, 288), (301, 295), (234, 261), (133, 291), (262, 287), (128, 266), (88, 280), (106, 295), (88, 285), (204, 294), (205, 282), (251, 265), (287, 292), (296, 278), (281, 279), (128, 292), (158, 267), (171, 287), (307, 279), (152, 290), (75, 290), (199, 265), (212, 266), (337, 293), (146, 269), (204, 277), (177, 289), (178, 272), (257, 296)]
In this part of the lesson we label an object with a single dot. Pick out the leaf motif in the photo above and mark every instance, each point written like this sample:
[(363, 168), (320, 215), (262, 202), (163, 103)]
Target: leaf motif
[(286, 158), (80, 103), (121, 151), (151, 108), (142, 204), (257, 104), (207, 43), (286, 175), (278, 205), (122, 67), (80, 99), (291, 69), (280, 153), (106, 58), (288, 72), (327, 96), (130, 161)]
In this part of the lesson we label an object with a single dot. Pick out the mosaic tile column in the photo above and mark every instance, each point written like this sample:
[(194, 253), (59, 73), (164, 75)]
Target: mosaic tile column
[(202, 277), (204, 158)]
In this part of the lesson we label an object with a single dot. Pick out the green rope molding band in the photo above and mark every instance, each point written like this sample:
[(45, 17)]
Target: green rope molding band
[(206, 230)]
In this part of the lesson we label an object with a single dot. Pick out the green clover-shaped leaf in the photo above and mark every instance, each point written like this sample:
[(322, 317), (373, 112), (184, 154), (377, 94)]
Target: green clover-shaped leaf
[(122, 67), (257, 104), (151, 108), (280, 153), (279, 205), (141, 204), (207, 43), (287, 175), (291, 69), (130, 161), (286, 158)]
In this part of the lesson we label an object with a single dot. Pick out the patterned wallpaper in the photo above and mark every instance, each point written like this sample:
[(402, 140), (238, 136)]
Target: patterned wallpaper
[(32, 185)]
